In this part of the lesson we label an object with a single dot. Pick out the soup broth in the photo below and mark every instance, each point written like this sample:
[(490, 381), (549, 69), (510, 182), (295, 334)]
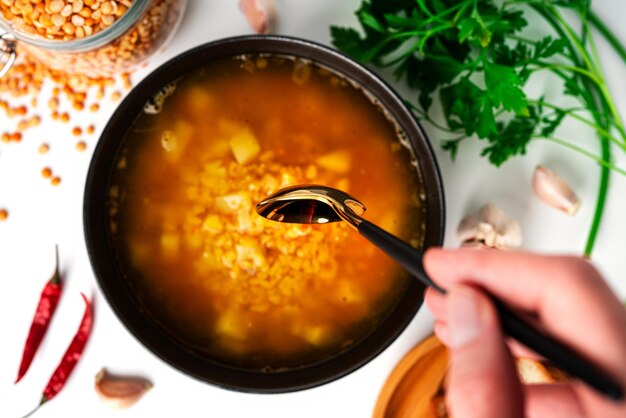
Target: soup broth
[(216, 276)]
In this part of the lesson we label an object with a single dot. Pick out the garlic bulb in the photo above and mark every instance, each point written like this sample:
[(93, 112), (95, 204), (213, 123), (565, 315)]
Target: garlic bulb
[(120, 392), (261, 14), (489, 228), (553, 190)]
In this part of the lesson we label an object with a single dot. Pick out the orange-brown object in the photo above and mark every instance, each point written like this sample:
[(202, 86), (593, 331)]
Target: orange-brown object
[(128, 84), (410, 387), (120, 392), (4, 214), (53, 103), (81, 145)]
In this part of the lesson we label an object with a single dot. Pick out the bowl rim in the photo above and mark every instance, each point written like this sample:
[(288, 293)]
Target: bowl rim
[(116, 291)]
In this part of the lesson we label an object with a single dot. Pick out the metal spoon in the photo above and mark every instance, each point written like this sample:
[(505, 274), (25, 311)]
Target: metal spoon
[(314, 204)]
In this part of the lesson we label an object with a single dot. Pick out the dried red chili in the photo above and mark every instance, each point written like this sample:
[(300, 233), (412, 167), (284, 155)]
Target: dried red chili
[(71, 356), (48, 302)]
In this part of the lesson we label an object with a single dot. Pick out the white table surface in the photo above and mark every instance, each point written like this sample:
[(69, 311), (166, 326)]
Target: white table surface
[(41, 215)]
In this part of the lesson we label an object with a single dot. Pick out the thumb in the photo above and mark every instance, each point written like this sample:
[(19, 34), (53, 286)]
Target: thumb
[(483, 381)]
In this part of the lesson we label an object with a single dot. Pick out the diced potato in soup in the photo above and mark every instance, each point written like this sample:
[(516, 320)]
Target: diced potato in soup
[(244, 146), (175, 141), (232, 325), (338, 161)]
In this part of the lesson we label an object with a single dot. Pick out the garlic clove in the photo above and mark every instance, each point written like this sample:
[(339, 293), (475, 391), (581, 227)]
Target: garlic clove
[(261, 14), (486, 233), (489, 228), (120, 392), (553, 190), (467, 229), (509, 236)]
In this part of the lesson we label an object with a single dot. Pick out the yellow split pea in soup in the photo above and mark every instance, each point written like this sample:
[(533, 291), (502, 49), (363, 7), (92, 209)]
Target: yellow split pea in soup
[(217, 276)]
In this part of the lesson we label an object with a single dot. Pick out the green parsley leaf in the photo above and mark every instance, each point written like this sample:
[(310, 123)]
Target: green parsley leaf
[(473, 29), (486, 125), (503, 87), (452, 146), (547, 47), (466, 28), (510, 140), (347, 40)]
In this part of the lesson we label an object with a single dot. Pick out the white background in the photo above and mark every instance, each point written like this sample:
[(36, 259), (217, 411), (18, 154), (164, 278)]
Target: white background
[(41, 215)]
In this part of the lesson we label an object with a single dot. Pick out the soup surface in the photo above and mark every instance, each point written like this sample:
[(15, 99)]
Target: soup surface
[(206, 267)]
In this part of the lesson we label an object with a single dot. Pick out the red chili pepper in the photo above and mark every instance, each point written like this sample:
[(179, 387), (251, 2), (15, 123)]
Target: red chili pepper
[(71, 356), (45, 309)]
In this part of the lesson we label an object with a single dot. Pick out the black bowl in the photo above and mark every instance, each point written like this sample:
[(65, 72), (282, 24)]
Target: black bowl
[(116, 289)]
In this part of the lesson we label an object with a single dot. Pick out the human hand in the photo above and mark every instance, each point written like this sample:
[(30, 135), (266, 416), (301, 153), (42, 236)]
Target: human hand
[(571, 302)]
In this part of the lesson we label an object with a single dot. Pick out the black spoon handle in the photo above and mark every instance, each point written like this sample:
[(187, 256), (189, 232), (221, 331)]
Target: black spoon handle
[(512, 324)]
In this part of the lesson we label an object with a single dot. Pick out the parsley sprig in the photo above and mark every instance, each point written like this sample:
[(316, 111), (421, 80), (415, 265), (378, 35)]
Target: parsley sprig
[(474, 57)]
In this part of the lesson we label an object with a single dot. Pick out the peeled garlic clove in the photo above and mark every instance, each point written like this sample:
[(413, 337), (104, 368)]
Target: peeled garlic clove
[(489, 228), (120, 392), (261, 14), (553, 190)]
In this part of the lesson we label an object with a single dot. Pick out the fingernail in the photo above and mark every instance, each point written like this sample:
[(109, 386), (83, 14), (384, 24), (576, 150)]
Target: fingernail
[(464, 320)]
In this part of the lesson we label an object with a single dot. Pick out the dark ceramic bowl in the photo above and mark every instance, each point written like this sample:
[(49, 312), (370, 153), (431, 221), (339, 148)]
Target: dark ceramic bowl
[(116, 289)]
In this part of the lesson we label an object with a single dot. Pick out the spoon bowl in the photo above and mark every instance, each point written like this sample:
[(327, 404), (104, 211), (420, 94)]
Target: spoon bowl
[(311, 204)]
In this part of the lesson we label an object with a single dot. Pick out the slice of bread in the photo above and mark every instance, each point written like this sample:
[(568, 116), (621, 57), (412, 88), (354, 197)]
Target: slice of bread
[(533, 371)]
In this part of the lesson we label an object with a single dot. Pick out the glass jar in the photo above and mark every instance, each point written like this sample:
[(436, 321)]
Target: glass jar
[(94, 38)]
